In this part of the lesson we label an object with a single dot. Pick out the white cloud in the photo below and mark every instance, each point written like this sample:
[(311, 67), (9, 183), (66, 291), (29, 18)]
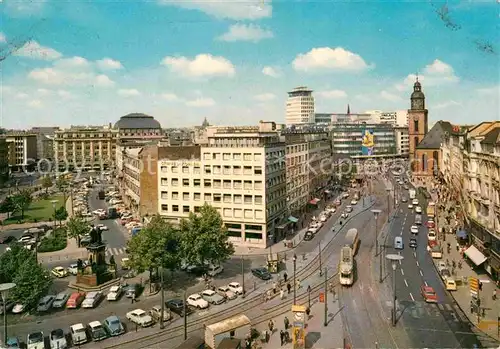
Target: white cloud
[(3, 38), (103, 81), (264, 97), (171, 97), (109, 64), (201, 102), (22, 95), (43, 91), (34, 50), (326, 58), (203, 65), (434, 74), (439, 68), (246, 32), (270, 71), (73, 62), (35, 104), (446, 104), (489, 91), (332, 94), (390, 96), (65, 94), (232, 9), (132, 92)]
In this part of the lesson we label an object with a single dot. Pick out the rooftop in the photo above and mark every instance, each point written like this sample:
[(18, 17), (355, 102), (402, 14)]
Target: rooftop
[(434, 138), (137, 121)]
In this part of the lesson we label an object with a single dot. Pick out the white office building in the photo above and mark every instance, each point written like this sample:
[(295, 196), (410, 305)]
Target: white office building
[(300, 106)]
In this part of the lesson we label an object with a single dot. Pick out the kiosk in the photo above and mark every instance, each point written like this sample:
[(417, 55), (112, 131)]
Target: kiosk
[(273, 263), (299, 327)]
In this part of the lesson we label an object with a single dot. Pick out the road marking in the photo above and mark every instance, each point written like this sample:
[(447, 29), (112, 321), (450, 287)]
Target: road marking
[(415, 255), (401, 233), (421, 274), (402, 272), (399, 262), (411, 296), (417, 264), (406, 283), (425, 282)]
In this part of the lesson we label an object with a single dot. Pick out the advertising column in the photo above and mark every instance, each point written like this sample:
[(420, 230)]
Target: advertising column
[(299, 327)]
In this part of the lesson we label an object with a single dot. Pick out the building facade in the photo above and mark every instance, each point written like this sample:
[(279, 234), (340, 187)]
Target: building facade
[(300, 106), (84, 147), (241, 172), (45, 141), (22, 149), (402, 140)]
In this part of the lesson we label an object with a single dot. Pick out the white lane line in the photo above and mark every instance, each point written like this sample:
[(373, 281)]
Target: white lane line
[(421, 274), (425, 282), (401, 233), (415, 255), (418, 265), (402, 272), (406, 283), (400, 262), (411, 296)]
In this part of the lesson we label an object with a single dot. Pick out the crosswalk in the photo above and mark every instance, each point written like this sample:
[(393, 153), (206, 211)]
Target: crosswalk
[(422, 310), (115, 251)]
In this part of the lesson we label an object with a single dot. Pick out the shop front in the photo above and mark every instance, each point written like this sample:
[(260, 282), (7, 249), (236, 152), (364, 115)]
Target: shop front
[(488, 245)]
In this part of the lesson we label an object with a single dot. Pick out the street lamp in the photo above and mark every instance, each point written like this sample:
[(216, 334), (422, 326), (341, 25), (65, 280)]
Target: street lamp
[(54, 202), (388, 203), (309, 296), (294, 279), (376, 213), (394, 258), (4, 291)]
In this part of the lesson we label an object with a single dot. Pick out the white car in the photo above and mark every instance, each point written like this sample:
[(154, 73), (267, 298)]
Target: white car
[(418, 209), (415, 202), (92, 299), (73, 269), (78, 334), (345, 195), (114, 293), (18, 308), (26, 240), (196, 301), (35, 340), (431, 236), (57, 339), (102, 227), (414, 229), (59, 272), (354, 202), (323, 218), (140, 317), (235, 287), (332, 209), (226, 292), (410, 206), (99, 212), (214, 270)]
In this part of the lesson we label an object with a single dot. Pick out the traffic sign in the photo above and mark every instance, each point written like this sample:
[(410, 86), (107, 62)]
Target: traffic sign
[(322, 297)]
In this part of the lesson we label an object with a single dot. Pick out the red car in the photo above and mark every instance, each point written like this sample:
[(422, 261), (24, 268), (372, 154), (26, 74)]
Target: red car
[(431, 224), (429, 294)]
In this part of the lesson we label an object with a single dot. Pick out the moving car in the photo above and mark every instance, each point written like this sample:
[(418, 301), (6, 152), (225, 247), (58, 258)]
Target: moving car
[(102, 227), (348, 208), (140, 317), (196, 301), (155, 313), (398, 243), (429, 294), (415, 202), (414, 229), (35, 340), (115, 292), (58, 339), (73, 269), (92, 299), (431, 235), (410, 206), (309, 235), (418, 209), (354, 202), (214, 270), (78, 334), (59, 272), (213, 297), (450, 284), (235, 287), (132, 290), (60, 300), (413, 243), (45, 303), (97, 331), (225, 292), (262, 273), (114, 326), (177, 306), (404, 199), (75, 300)]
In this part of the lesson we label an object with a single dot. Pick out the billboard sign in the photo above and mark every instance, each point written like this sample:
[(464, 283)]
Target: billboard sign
[(368, 143)]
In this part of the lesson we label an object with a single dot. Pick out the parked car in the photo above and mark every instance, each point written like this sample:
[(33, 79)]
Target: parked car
[(18, 308), (431, 235), (59, 272), (451, 285), (78, 334), (354, 202), (235, 287), (114, 326), (262, 273), (431, 224), (155, 313), (92, 299), (309, 235), (445, 273), (225, 292), (45, 303), (212, 297), (429, 294), (414, 229), (404, 199), (75, 300), (7, 239), (73, 269), (441, 265), (60, 300), (177, 306), (97, 331), (132, 290), (196, 301), (102, 227), (398, 243), (115, 293), (35, 340), (140, 317), (214, 270), (13, 343), (58, 339), (415, 202)]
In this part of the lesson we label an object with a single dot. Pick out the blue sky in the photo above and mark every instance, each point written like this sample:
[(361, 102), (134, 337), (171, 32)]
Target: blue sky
[(233, 61)]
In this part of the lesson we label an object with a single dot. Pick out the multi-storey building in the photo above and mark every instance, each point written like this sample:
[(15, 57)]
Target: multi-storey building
[(300, 106), (395, 118), (241, 172), (22, 149), (4, 160), (402, 140), (45, 141), (85, 147)]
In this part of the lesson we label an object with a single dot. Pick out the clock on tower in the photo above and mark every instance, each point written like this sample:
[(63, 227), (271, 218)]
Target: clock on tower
[(417, 97)]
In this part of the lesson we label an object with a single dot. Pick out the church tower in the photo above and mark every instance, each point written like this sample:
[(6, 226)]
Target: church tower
[(417, 118)]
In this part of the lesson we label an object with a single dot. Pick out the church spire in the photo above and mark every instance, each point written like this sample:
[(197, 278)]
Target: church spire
[(348, 109), (205, 123)]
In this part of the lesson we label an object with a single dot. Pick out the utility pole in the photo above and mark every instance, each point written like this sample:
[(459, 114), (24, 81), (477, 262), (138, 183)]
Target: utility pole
[(325, 322), (185, 317), (320, 262), (243, 276), (294, 279), (162, 324)]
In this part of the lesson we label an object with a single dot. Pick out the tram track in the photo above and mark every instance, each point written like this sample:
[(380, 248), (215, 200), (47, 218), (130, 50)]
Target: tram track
[(195, 325)]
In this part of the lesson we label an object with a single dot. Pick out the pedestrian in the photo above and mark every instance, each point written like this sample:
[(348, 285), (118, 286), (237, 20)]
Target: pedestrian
[(275, 288), (288, 287), (133, 298), (285, 276), (282, 336), (286, 322), (282, 294), (494, 296), (271, 325), (480, 286)]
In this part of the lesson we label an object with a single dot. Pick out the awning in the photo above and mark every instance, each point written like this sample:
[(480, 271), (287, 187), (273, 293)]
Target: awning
[(462, 234), (314, 201), (475, 255), (293, 219)]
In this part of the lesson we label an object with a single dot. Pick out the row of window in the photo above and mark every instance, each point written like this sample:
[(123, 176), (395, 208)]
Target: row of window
[(215, 183), (225, 212), (233, 156), (215, 197)]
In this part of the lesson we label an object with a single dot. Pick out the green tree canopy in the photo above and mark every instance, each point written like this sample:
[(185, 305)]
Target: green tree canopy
[(47, 183), (22, 200), (204, 237), (7, 206), (61, 213), (77, 227)]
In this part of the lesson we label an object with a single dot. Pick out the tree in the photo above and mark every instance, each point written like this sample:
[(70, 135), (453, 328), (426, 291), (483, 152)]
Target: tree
[(77, 227), (47, 183), (7, 206), (204, 237), (22, 200), (62, 185), (21, 267), (61, 214)]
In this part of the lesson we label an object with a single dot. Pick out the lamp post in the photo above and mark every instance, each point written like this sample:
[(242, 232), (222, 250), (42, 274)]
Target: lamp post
[(4, 291), (376, 213), (162, 322), (54, 202), (320, 262), (309, 296), (388, 203), (243, 276), (294, 280), (394, 258)]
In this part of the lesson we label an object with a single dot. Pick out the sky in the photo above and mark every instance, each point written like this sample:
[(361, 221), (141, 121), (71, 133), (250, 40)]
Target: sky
[(90, 62)]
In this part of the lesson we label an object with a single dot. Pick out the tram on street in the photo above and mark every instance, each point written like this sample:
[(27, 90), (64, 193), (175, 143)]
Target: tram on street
[(346, 266)]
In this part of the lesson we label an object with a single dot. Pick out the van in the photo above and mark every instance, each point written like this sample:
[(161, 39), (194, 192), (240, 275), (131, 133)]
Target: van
[(398, 243)]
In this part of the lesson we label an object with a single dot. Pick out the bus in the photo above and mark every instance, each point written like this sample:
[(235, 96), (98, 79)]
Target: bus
[(352, 240), (346, 266)]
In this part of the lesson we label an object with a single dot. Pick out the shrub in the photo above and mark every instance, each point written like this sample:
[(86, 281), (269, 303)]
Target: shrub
[(55, 242)]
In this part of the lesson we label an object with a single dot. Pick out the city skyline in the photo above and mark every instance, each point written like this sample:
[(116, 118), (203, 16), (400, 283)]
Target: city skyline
[(233, 63)]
